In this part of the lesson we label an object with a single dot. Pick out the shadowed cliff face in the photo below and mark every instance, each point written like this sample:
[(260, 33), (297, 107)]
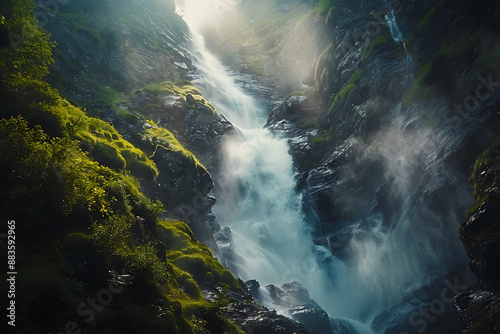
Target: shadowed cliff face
[(385, 107), (384, 125), (106, 48), (479, 306)]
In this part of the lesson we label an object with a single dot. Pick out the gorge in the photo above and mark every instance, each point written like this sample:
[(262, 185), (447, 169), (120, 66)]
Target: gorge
[(262, 167)]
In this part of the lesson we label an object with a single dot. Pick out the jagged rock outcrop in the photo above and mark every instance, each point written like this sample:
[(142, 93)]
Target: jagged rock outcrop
[(385, 84), (479, 306), (253, 318), (205, 132), (295, 300)]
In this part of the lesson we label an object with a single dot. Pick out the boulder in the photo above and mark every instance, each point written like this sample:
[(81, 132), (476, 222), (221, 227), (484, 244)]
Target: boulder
[(298, 305)]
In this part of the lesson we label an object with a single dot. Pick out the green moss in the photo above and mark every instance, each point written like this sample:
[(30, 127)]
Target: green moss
[(81, 25), (320, 65), (84, 223), (307, 122), (318, 139), (487, 63), (425, 20), (189, 255), (457, 21), (377, 42), (488, 160), (356, 76), (325, 6), (418, 89), (348, 89), (457, 46), (161, 137)]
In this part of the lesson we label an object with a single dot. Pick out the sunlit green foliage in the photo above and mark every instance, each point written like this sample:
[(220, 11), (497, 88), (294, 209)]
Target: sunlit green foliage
[(189, 255), (29, 52), (81, 218)]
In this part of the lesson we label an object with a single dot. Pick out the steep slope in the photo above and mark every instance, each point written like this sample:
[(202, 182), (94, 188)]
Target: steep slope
[(92, 253), (479, 306), (83, 228), (385, 129)]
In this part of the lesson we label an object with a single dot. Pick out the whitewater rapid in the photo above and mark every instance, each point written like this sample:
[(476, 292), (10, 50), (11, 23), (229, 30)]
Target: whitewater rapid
[(388, 258)]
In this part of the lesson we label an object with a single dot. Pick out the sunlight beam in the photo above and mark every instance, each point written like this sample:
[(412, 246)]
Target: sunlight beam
[(200, 14)]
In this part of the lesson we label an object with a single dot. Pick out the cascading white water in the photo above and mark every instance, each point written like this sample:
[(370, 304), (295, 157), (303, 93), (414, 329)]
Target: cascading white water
[(257, 199), (393, 27), (397, 36), (257, 196)]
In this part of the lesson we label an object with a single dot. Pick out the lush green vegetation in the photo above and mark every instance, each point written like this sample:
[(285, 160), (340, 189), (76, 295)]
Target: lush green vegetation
[(489, 160), (325, 6), (321, 78), (82, 221), (377, 42), (348, 89)]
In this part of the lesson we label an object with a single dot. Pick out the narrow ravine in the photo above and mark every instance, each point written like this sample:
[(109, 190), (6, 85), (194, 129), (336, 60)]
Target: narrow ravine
[(400, 240), (256, 189), (257, 197)]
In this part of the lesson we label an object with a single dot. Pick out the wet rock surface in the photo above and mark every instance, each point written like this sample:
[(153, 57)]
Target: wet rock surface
[(294, 299), (253, 318), (479, 306)]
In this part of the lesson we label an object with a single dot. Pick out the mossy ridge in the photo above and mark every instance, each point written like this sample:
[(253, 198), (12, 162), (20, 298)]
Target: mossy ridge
[(325, 6), (348, 89), (55, 173), (189, 94), (377, 42), (419, 86), (488, 160), (320, 65), (187, 254)]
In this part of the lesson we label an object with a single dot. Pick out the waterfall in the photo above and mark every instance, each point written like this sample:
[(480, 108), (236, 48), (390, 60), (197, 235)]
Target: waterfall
[(256, 194), (393, 27), (400, 234), (397, 36)]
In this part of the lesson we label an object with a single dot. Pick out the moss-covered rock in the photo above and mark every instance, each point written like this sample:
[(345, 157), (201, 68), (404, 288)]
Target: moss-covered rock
[(480, 305)]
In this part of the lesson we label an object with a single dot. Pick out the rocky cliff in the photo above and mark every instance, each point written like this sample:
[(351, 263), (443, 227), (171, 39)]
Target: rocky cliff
[(393, 103), (99, 196), (479, 306), (386, 106)]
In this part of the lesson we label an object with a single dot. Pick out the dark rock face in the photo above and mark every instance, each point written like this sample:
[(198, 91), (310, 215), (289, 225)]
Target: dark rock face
[(185, 179), (255, 319), (481, 239), (479, 306), (205, 132), (294, 298), (105, 44), (479, 311)]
